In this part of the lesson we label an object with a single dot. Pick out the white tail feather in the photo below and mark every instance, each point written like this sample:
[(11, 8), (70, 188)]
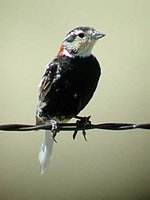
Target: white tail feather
[(45, 154)]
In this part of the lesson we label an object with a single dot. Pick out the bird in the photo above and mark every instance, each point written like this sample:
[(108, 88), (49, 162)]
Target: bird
[(67, 85)]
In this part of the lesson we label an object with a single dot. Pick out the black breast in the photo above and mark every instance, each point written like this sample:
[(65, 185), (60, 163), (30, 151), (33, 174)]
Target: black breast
[(70, 93)]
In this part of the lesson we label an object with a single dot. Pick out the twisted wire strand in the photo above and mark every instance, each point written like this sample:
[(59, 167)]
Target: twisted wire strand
[(73, 127)]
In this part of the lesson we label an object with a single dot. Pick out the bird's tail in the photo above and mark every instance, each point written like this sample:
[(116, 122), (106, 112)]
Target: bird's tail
[(45, 154)]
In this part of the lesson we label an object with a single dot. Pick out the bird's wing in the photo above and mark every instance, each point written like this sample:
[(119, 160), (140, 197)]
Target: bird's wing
[(47, 79)]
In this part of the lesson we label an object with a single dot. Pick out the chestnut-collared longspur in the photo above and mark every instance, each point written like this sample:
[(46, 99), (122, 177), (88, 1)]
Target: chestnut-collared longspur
[(68, 84)]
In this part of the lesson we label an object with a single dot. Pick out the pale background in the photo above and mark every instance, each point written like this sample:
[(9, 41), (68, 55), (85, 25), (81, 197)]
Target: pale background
[(111, 165)]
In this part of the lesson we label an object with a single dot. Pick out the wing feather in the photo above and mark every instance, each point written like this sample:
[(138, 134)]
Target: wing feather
[(47, 79)]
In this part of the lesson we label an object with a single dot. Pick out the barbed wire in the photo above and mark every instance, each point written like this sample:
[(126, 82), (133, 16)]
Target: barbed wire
[(74, 126)]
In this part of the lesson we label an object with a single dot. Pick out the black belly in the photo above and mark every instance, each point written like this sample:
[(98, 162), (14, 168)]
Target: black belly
[(74, 89)]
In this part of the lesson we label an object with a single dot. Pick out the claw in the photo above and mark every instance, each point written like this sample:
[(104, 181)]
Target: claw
[(81, 123), (75, 133), (55, 128), (84, 134)]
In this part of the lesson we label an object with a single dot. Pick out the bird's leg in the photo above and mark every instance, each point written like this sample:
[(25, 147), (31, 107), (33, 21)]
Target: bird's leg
[(81, 123), (55, 128)]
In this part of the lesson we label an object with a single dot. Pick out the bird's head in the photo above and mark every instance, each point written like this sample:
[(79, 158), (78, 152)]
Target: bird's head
[(79, 42)]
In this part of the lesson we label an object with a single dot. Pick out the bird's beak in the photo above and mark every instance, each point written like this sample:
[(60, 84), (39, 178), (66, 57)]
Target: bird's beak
[(97, 35)]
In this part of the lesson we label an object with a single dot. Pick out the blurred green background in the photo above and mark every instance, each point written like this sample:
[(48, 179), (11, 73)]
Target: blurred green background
[(111, 165)]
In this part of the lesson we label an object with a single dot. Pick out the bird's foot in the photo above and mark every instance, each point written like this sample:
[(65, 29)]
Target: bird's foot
[(55, 128), (81, 124)]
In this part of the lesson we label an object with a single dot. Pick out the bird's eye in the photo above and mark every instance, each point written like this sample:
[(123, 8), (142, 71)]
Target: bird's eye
[(81, 35)]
